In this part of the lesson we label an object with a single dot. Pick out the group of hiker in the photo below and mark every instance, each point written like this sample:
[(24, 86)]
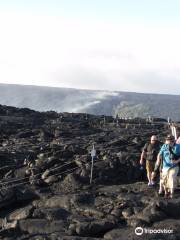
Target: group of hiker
[(162, 158)]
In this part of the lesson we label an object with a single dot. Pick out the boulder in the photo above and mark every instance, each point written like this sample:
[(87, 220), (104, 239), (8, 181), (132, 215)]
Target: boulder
[(120, 233), (58, 201), (7, 197), (171, 208), (95, 228), (25, 194), (51, 179), (51, 214), (21, 213), (41, 226)]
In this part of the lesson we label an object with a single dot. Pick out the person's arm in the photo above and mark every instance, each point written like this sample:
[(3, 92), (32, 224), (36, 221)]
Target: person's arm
[(143, 154), (176, 161), (156, 168), (158, 162), (157, 165), (159, 159)]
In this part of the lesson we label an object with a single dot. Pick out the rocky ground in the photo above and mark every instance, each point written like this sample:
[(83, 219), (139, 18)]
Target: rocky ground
[(45, 165)]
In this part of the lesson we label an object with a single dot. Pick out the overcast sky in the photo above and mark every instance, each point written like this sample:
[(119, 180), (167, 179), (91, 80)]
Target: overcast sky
[(128, 45)]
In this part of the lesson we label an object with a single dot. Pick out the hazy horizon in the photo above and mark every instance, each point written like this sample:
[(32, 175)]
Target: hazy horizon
[(85, 89)]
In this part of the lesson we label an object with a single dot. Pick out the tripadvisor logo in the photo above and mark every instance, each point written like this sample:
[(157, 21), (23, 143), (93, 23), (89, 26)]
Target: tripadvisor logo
[(139, 231)]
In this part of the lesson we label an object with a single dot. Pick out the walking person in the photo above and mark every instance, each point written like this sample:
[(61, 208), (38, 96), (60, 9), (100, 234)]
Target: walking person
[(170, 157), (149, 154)]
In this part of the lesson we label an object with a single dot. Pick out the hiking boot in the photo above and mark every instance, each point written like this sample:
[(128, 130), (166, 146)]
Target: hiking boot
[(153, 183), (166, 195), (171, 195)]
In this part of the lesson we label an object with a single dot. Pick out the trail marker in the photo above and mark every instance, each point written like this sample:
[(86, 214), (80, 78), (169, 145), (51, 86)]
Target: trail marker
[(93, 155)]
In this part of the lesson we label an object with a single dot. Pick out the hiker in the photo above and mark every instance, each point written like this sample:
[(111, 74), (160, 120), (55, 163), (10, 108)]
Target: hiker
[(149, 153), (158, 168), (170, 157)]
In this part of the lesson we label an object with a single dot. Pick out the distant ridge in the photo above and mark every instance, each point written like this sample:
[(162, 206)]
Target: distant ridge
[(125, 104)]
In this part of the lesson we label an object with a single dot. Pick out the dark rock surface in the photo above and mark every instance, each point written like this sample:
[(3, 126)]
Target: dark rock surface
[(45, 166)]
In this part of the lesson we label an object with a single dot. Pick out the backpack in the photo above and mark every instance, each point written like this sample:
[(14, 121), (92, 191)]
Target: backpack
[(152, 151)]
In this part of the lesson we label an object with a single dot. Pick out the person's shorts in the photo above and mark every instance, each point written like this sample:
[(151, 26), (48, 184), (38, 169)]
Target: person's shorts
[(150, 166)]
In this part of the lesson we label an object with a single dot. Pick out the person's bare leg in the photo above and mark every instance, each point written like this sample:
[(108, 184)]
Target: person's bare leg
[(171, 192), (173, 177), (161, 187), (166, 193), (149, 177), (152, 177)]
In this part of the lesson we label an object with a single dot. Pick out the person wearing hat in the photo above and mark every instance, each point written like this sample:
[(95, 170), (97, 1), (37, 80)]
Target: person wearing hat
[(149, 154), (169, 155)]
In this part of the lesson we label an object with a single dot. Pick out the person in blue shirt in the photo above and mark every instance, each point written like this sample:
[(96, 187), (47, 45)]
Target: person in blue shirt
[(168, 158)]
